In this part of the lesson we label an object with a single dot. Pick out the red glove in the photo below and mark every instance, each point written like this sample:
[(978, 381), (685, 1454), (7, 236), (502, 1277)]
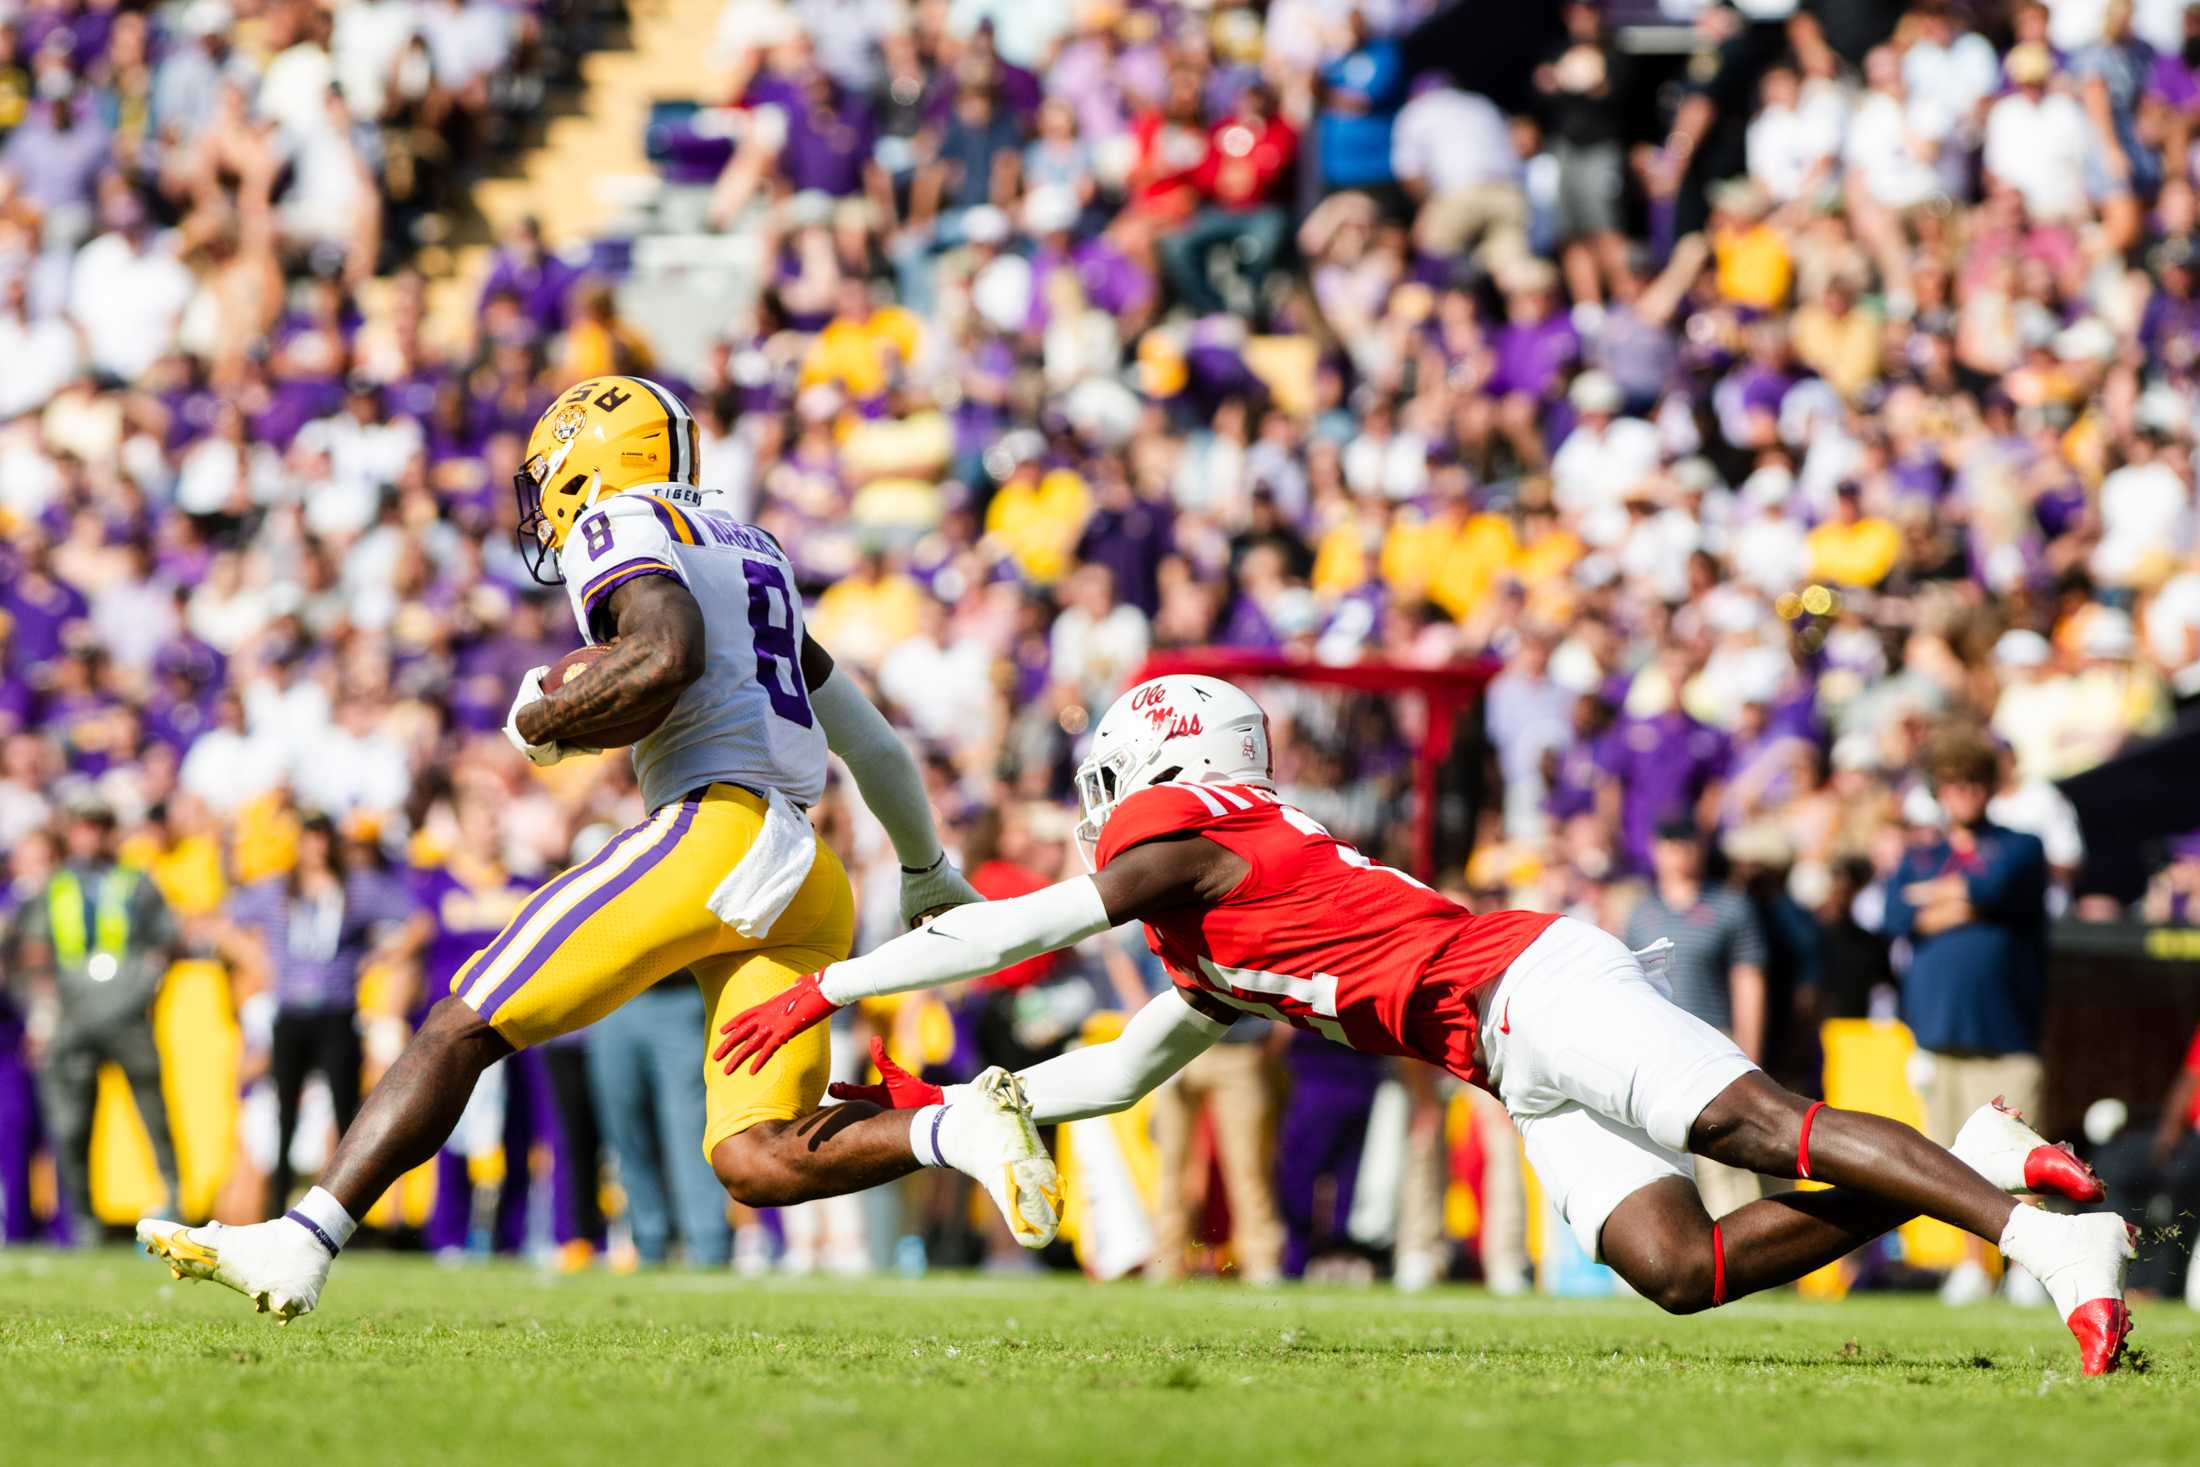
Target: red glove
[(898, 1090), (759, 1031)]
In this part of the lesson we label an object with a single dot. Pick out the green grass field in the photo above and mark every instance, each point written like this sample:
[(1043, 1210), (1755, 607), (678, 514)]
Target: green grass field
[(105, 1359)]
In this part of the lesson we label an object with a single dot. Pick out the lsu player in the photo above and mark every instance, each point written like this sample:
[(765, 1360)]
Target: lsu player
[(725, 877), (1254, 908)]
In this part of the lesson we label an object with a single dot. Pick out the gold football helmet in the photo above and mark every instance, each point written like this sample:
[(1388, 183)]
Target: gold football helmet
[(603, 436)]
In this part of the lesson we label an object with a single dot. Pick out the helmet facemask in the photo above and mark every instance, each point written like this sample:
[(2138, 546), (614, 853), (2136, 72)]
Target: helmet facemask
[(1103, 783), (540, 536)]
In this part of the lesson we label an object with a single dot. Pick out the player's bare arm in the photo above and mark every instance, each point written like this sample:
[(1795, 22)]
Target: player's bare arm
[(1170, 871), (656, 653)]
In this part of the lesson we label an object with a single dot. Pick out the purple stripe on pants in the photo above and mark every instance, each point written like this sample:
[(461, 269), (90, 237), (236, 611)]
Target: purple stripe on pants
[(550, 888), (588, 907)]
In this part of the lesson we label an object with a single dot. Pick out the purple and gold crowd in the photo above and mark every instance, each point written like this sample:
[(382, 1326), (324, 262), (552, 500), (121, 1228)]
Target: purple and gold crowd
[(1799, 414)]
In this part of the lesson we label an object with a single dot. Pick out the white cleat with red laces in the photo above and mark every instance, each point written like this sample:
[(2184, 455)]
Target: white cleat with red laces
[(1997, 1144)]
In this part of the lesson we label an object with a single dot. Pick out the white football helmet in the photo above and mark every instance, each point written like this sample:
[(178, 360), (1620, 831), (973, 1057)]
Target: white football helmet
[(1184, 727)]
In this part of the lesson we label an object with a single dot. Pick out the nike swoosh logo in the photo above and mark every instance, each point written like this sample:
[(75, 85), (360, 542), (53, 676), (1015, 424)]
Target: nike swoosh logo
[(1505, 1024), (935, 931)]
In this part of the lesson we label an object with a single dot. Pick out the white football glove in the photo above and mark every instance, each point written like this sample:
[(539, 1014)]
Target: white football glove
[(935, 888), (542, 756)]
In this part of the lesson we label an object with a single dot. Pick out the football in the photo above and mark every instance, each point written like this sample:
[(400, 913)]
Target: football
[(575, 664)]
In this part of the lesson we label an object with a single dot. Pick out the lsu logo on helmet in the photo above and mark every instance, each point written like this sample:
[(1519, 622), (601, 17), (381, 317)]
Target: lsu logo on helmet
[(601, 437)]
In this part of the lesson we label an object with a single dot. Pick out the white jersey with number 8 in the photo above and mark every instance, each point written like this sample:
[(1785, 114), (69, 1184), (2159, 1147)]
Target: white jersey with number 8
[(747, 719)]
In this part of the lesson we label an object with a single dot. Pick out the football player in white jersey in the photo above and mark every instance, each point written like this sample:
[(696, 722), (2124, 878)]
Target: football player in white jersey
[(725, 878)]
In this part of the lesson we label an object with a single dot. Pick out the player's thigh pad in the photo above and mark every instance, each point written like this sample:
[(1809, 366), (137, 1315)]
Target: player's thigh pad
[(1588, 1164), (817, 928), (594, 936), (1588, 1026)]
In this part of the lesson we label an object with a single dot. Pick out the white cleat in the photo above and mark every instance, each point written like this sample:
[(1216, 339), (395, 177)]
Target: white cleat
[(278, 1265), (1002, 1152), (2081, 1261), (1997, 1144)]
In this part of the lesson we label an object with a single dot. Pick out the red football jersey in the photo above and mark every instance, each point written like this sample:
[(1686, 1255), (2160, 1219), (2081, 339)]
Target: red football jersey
[(1317, 934)]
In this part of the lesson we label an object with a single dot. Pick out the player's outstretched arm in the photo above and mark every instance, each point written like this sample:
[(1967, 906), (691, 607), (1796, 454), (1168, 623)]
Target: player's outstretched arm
[(1163, 1037), (985, 937), (1170, 1031), (656, 652), (890, 783)]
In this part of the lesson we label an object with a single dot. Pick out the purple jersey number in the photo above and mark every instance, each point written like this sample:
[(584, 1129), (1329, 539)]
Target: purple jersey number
[(771, 628), (597, 533)]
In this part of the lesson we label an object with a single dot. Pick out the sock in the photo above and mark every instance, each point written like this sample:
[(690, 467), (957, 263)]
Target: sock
[(924, 1135), (322, 1215), (2030, 1239), (2025, 1225)]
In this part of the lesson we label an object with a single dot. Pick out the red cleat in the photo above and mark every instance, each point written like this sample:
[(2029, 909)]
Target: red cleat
[(2056, 1171), (1997, 1144), (2102, 1326)]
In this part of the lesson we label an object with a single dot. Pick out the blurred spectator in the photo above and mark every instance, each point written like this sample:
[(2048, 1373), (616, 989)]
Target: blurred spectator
[(1362, 90), (1716, 968), (1760, 865), (317, 927), (1322, 1135), (1249, 153), (1855, 973), (2153, 1177), (1579, 87), (127, 289), (524, 269), (1232, 1085), (1453, 154), (97, 942), (2036, 139), (642, 1059), (1971, 901)]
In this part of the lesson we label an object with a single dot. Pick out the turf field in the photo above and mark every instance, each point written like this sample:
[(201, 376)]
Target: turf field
[(104, 1359)]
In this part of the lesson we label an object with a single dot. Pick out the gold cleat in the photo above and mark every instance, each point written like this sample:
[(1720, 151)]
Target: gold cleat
[(185, 1257)]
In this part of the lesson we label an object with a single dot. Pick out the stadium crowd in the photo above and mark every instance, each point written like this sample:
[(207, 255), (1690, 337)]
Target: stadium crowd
[(1814, 460)]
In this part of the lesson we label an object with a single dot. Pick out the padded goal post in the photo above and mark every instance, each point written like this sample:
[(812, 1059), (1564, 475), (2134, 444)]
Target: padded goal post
[(1386, 754)]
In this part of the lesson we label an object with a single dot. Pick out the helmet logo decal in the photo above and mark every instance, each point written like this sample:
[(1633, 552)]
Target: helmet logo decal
[(1245, 746), (568, 423), (1152, 703)]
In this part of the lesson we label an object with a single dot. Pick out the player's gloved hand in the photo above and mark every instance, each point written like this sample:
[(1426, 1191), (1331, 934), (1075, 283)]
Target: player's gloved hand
[(897, 1088), (542, 756), (927, 893), (755, 1034)]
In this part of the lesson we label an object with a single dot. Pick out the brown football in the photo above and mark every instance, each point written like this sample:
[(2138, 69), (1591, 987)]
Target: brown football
[(575, 664)]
